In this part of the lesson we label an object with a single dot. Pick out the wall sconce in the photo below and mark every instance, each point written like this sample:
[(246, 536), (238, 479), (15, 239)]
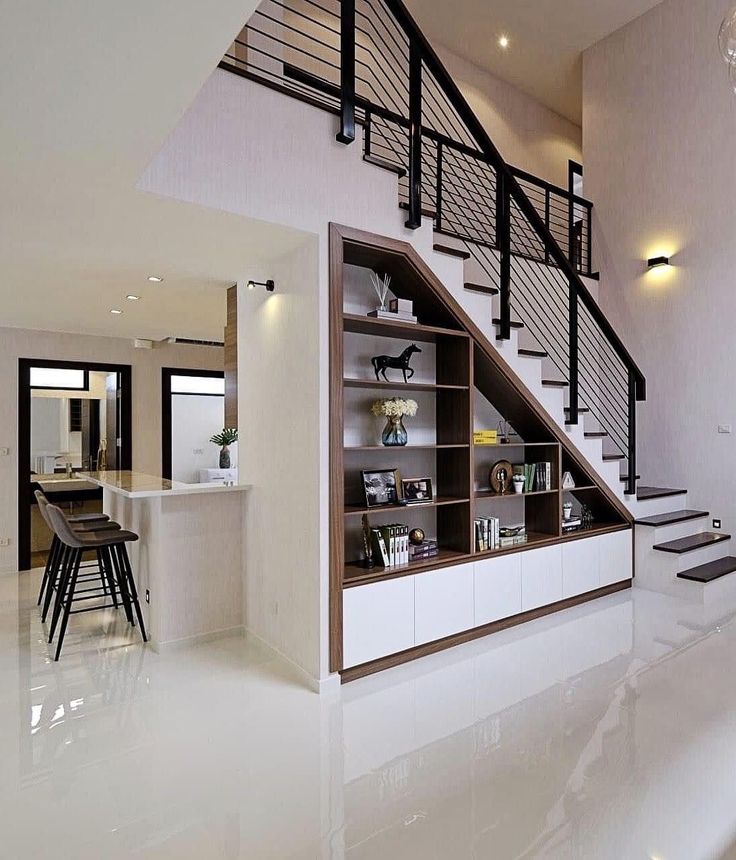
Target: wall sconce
[(269, 285), (654, 262)]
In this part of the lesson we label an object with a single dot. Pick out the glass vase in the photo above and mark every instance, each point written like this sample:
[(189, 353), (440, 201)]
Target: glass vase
[(394, 433), (225, 457)]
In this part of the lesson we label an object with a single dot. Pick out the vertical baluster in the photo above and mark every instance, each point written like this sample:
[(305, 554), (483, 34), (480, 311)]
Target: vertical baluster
[(503, 232), (415, 137), (367, 132), (546, 221), (347, 72), (574, 355), (438, 194), (631, 476), (589, 220)]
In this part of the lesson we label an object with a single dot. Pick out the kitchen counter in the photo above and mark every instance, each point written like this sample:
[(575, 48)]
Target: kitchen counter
[(138, 485), (188, 561)]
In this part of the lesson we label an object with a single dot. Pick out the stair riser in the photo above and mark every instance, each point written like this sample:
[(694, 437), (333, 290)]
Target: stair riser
[(662, 534), (650, 507), (657, 571)]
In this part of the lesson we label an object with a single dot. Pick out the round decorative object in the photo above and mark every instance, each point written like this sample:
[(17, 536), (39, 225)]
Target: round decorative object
[(500, 476), (416, 536)]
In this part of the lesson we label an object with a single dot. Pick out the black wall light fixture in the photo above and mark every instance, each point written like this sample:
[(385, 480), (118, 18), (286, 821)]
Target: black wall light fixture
[(270, 286), (653, 262)]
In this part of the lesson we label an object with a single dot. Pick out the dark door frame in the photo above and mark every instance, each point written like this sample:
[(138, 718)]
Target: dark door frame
[(24, 435), (166, 374)]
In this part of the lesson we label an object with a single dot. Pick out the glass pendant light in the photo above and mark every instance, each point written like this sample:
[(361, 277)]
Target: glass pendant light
[(727, 38)]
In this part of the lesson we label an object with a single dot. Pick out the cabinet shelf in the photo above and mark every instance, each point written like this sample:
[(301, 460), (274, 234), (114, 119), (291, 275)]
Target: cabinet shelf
[(440, 501), (502, 445), (395, 328), (490, 494), (397, 448), (578, 489), (408, 386), (356, 574)]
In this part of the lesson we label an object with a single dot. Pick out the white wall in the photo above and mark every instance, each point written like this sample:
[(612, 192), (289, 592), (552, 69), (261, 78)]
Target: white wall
[(195, 418), (146, 364), (659, 123), (527, 133)]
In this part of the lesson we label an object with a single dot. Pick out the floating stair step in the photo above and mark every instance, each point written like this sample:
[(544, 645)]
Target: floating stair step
[(452, 252), (691, 542), (596, 434), (426, 213), (623, 478), (533, 353), (514, 323), (611, 458), (482, 288), (386, 165), (555, 383), (644, 493), (710, 571), (671, 518)]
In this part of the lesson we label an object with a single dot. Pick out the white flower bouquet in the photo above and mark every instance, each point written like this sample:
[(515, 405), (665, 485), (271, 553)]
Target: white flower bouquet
[(395, 407)]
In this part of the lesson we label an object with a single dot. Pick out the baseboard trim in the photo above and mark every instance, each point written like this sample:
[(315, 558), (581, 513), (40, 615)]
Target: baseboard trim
[(317, 685), (393, 660), (197, 639)]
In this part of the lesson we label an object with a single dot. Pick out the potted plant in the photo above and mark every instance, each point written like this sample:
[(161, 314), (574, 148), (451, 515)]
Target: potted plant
[(224, 440), (394, 409)]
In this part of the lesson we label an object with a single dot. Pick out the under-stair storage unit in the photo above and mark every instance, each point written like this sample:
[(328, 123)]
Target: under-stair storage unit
[(486, 555)]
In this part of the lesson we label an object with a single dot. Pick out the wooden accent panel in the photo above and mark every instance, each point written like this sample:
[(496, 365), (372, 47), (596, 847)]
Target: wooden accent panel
[(231, 359)]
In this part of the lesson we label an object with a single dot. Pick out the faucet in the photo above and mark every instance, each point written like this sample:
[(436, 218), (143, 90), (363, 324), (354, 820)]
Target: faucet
[(67, 464)]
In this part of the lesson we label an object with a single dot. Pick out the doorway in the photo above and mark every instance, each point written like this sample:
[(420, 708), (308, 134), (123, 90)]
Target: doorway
[(72, 417), (192, 410)]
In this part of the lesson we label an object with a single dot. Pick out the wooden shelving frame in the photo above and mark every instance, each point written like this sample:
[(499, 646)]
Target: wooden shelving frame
[(466, 367)]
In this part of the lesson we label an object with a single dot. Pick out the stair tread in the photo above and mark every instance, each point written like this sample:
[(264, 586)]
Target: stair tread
[(670, 518), (596, 434), (514, 323), (533, 353), (610, 458), (482, 288), (386, 165), (710, 571), (644, 493), (453, 252), (555, 383), (426, 211), (691, 542)]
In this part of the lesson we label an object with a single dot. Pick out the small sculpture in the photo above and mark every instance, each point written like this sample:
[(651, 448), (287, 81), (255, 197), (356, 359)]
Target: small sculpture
[(416, 537), (381, 285), (381, 363), (367, 543)]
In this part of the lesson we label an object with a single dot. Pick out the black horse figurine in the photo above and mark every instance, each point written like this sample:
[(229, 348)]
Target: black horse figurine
[(401, 362)]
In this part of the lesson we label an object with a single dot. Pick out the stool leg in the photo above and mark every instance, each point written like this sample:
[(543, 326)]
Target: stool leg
[(54, 578), (125, 564), (68, 603), (50, 561), (111, 555), (107, 577), (74, 556)]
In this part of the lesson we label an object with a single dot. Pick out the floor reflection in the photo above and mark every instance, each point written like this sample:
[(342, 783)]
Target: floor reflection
[(602, 732)]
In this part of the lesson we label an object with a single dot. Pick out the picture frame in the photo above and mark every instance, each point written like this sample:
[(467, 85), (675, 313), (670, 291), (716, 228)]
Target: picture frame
[(380, 487), (417, 491)]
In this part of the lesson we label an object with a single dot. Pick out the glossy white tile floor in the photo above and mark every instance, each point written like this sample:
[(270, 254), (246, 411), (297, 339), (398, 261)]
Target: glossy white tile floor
[(608, 731)]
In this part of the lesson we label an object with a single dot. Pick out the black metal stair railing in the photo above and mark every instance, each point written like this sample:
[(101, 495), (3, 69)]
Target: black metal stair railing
[(369, 63)]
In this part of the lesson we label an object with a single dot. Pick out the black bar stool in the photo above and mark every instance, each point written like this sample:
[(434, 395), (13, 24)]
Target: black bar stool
[(111, 544), (81, 522)]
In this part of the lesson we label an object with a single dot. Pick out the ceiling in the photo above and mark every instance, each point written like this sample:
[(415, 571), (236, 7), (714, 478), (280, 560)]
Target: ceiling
[(89, 92), (546, 39)]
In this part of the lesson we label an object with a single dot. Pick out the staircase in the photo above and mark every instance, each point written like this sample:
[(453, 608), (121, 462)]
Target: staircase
[(515, 252)]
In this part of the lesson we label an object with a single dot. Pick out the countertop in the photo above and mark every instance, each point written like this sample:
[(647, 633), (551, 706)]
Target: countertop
[(137, 485)]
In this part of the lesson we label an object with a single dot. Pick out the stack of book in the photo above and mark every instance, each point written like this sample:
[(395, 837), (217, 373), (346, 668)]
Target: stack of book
[(424, 550), (391, 545), (571, 525), (398, 309), (512, 536), (537, 477), (487, 533)]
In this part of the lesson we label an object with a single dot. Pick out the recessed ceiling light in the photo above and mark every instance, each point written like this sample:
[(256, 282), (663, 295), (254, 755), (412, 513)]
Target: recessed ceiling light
[(132, 298), (155, 279), (503, 41), (115, 311)]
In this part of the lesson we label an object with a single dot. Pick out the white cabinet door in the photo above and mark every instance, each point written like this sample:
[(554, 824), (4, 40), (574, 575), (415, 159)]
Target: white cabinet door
[(443, 602), (616, 557), (541, 577), (378, 619), (497, 588), (580, 566)]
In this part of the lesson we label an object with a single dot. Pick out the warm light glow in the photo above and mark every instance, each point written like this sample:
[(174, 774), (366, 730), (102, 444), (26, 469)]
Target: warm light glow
[(503, 41), (251, 285), (155, 279)]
